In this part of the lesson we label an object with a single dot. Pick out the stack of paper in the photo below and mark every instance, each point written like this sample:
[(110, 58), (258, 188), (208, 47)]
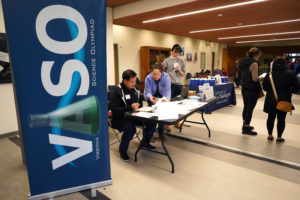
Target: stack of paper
[(167, 110)]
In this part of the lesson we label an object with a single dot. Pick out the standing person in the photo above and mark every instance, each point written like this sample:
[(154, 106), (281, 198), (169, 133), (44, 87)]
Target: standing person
[(125, 98), (285, 83), (249, 80), (296, 64), (236, 79), (157, 85), (175, 68)]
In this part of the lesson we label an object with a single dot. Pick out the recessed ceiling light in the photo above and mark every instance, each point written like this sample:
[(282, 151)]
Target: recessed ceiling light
[(258, 35), (204, 10), (245, 26), (240, 23), (272, 40), (220, 15)]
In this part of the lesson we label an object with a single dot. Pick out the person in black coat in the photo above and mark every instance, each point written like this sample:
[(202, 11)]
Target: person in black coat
[(285, 83), (249, 80), (125, 97)]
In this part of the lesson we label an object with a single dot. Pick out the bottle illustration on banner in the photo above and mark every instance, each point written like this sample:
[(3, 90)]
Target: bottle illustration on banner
[(82, 116)]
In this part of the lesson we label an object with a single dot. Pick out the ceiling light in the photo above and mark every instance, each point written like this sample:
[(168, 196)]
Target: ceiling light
[(258, 35), (203, 11), (240, 23), (220, 15), (254, 41), (245, 26)]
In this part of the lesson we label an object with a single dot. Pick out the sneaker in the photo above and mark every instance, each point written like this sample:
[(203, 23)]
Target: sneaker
[(280, 140), (250, 127), (148, 147), (270, 138), (248, 131), (124, 156)]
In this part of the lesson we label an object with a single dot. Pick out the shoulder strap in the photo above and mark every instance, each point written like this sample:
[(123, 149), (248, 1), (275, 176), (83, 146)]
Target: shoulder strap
[(273, 86)]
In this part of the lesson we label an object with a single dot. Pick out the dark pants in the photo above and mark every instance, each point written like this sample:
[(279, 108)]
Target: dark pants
[(237, 82), (175, 90), (129, 129), (160, 126), (280, 122), (250, 99)]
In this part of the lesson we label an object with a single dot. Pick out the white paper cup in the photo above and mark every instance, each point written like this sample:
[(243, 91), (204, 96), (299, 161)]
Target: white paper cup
[(175, 65)]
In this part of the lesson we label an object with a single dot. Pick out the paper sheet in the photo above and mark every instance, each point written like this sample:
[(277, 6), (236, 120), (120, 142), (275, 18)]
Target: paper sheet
[(167, 110), (263, 75), (144, 114)]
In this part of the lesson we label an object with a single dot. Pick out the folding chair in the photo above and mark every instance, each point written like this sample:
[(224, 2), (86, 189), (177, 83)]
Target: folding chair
[(117, 132)]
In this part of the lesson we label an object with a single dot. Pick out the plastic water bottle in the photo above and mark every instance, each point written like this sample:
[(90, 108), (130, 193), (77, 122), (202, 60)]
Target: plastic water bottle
[(201, 94)]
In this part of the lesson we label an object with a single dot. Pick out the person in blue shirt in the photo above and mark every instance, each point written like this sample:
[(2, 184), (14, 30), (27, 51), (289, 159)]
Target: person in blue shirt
[(296, 65), (157, 86)]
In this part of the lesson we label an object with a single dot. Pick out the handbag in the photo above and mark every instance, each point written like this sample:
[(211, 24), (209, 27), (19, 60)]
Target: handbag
[(284, 106)]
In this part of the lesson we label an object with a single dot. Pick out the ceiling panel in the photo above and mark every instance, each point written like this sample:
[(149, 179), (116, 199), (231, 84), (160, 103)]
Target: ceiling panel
[(263, 12)]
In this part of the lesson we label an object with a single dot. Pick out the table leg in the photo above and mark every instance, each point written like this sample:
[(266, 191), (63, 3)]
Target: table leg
[(166, 151), (205, 123), (180, 128)]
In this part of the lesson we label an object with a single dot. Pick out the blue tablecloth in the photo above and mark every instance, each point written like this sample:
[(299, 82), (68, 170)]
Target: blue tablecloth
[(225, 95)]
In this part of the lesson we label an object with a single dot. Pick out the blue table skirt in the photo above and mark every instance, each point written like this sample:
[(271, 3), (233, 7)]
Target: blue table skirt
[(225, 95)]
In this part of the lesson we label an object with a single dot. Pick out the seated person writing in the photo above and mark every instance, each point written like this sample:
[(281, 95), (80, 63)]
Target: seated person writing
[(157, 85), (125, 98)]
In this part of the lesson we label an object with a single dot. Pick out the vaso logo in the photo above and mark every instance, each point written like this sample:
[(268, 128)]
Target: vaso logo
[(69, 67)]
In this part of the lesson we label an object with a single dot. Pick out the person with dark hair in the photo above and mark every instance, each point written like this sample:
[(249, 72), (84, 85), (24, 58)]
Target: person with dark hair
[(203, 72), (175, 68), (208, 72), (125, 97), (285, 83), (157, 85), (249, 80)]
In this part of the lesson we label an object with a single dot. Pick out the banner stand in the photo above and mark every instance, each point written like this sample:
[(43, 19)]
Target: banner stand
[(50, 195), (60, 78)]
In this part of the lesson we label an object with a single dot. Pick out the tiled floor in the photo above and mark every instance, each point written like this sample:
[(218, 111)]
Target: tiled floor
[(201, 172)]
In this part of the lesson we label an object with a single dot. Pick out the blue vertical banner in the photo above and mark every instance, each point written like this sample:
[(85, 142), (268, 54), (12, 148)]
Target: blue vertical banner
[(58, 56)]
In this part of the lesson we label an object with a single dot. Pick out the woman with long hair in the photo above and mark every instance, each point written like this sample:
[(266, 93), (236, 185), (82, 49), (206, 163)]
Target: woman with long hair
[(285, 83)]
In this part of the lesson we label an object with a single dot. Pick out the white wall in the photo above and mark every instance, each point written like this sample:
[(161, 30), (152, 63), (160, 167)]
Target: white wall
[(130, 40), (2, 27), (109, 47)]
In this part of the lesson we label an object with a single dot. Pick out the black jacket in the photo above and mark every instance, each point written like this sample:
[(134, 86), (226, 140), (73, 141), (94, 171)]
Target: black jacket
[(245, 75), (118, 105), (285, 83)]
